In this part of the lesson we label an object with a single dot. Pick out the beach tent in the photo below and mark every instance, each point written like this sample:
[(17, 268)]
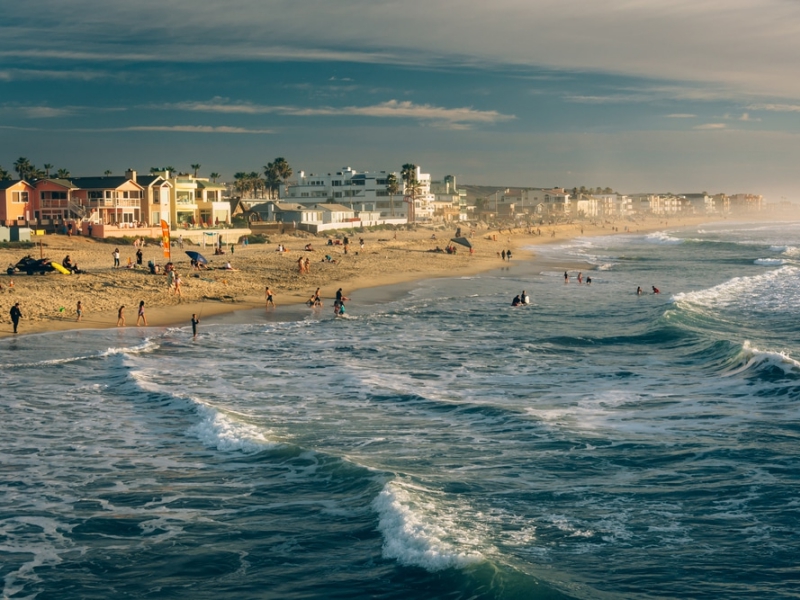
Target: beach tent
[(461, 240)]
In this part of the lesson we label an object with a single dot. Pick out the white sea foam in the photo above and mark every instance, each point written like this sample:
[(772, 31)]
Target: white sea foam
[(769, 262), (147, 345), (773, 290), (661, 237), (415, 533), (226, 434), (756, 359), (224, 430)]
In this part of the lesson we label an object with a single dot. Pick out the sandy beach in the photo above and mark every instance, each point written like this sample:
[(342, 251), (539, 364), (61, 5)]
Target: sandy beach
[(48, 302)]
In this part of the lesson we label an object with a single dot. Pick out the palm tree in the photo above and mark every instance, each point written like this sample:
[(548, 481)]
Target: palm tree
[(409, 174), (4, 175), (392, 187), (214, 177), (277, 172), (47, 167), (107, 172), (63, 173), (241, 183), (23, 167), (154, 170), (196, 168)]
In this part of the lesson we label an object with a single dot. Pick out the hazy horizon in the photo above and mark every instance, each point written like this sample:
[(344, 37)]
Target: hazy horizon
[(634, 96)]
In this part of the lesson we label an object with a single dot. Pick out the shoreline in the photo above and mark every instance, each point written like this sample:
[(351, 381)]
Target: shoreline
[(383, 263)]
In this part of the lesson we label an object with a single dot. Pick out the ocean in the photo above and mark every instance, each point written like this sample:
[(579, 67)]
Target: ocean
[(436, 443)]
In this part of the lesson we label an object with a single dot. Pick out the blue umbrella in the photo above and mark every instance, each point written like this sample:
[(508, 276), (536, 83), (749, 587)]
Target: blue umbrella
[(197, 257)]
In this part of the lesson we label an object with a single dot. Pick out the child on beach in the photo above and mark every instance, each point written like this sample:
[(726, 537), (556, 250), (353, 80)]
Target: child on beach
[(141, 316), (79, 310)]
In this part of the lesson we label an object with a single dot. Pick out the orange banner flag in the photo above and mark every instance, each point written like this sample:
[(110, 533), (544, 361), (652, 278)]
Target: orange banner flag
[(165, 239)]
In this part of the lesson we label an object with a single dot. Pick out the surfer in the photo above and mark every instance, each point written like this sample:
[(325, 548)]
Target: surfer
[(524, 298), (639, 291), (195, 321), (516, 301), (656, 290)]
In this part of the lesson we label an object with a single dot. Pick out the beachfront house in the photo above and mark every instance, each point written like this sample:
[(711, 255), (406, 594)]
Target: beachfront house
[(108, 199), (53, 201), (287, 212), (361, 191), (15, 202), (155, 203), (449, 203), (337, 214), (549, 202)]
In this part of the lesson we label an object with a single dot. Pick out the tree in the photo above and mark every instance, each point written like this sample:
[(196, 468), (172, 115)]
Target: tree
[(23, 167), (214, 177), (4, 175), (47, 167), (409, 174), (277, 172), (392, 188), (107, 172), (63, 173), (196, 168), (154, 170)]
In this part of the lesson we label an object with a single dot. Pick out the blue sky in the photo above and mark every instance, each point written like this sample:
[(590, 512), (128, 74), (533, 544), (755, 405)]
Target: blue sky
[(632, 94)]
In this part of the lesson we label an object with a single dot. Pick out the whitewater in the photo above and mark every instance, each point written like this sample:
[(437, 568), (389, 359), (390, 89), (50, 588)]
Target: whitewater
[(439, 443)]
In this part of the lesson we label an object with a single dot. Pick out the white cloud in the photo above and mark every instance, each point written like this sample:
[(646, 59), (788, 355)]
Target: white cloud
[(711, 126), (776, 107), (390, 109)]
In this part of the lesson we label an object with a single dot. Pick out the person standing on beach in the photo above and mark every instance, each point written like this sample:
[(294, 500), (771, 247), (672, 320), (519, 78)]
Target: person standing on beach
[(121, 316), (270, 300), (178, 282), (503, 254), (139, 256), (195, 321), (79, 310), (115, 254), (16, 315), (141, 316)]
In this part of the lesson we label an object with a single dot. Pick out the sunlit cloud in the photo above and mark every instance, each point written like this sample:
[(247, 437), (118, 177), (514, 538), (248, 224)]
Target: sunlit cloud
[(776, 107), (711, 126), (390, 109)]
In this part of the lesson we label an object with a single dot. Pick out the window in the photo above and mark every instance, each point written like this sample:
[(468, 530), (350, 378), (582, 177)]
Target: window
[(19, 197), (336, 183), (53, 195)]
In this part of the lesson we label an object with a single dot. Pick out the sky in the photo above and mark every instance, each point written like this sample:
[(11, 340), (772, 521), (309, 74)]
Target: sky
[(637, 95)]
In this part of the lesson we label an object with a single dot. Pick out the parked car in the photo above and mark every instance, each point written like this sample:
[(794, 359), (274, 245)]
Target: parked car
[(32, 265)]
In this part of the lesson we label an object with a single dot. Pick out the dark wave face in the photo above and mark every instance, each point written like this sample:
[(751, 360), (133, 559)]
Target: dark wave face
[(593, 444)]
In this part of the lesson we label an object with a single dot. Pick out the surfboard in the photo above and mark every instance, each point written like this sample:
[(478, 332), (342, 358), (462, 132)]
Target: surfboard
[(60, 269)]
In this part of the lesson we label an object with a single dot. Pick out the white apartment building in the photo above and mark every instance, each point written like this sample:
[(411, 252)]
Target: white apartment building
[(549, 202), (363, 192)]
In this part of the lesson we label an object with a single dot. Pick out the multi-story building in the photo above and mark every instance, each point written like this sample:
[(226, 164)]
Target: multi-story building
[(363, 192), (554, 202), (450, 203), (110, 200), (15, 202)]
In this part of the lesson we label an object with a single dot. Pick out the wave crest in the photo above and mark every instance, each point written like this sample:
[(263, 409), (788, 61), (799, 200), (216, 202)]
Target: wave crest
[(411, 533)]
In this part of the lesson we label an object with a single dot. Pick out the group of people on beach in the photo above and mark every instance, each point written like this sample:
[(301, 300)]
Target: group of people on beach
[(579, 278)]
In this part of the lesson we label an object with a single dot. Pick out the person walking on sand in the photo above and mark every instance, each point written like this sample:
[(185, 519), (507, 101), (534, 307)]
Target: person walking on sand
[(307, 265), (195, 321), (16, 315), (178, 282), (503, 254), (270, 300), (79, 310), (121, 316), (141, 316), (301, 265), (115, 254)]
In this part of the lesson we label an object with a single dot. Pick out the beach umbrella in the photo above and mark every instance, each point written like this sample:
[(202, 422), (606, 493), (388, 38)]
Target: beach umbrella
[(197, 257), (461, 240)]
